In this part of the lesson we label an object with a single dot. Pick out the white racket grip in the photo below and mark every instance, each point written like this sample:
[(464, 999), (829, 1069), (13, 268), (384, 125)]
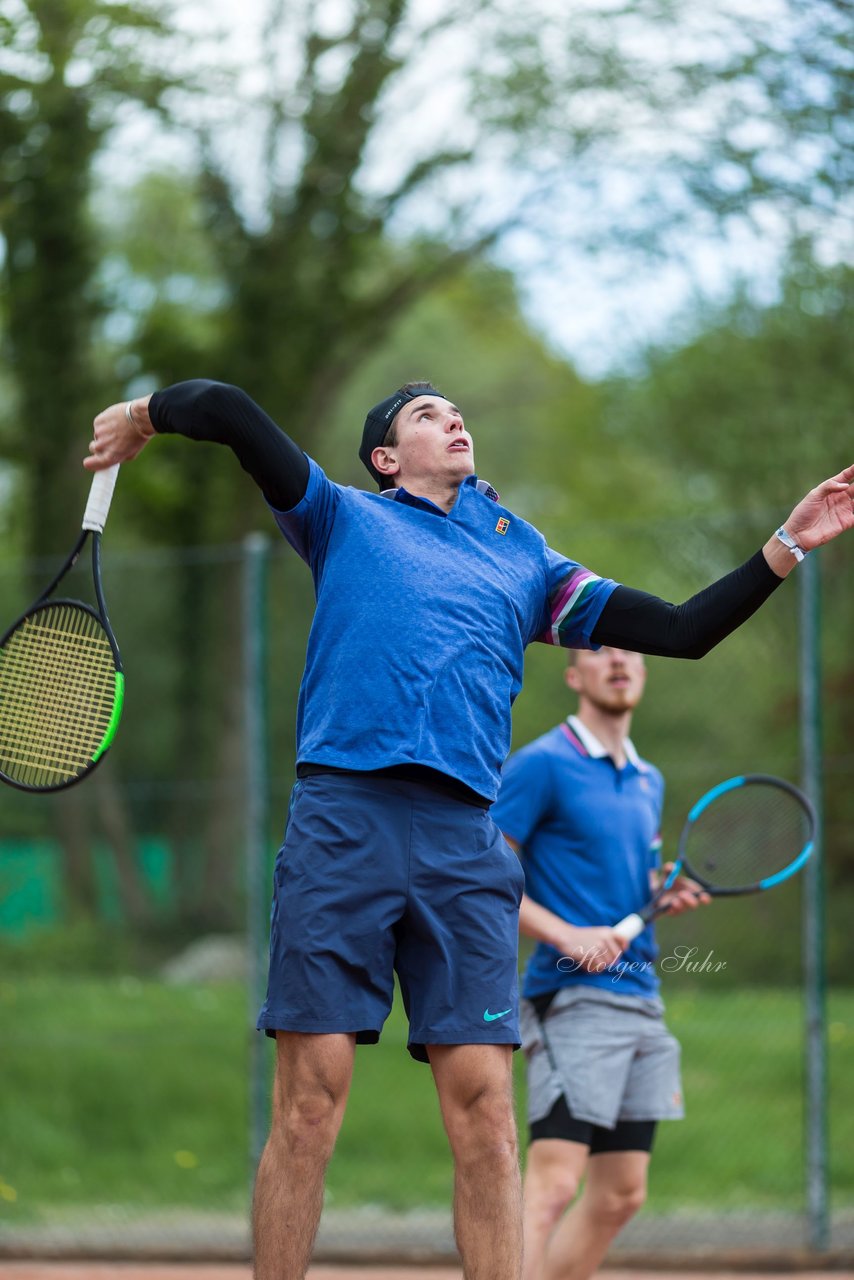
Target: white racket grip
[(630, 926), (100, 497)]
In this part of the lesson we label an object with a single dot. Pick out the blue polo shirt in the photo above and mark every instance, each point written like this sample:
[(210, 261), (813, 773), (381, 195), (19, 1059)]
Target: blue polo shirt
[(589, 835), (416, 648)]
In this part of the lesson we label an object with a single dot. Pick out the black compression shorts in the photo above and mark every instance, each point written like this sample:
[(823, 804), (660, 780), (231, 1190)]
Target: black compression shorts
[(627, 1135)]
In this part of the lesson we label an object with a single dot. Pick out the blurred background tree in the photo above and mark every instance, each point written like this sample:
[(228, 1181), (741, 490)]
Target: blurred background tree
[(757, 407), (67, 67)]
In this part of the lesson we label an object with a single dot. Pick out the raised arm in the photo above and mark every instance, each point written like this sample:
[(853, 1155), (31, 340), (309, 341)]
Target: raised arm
[(210, 411), (635, 620)]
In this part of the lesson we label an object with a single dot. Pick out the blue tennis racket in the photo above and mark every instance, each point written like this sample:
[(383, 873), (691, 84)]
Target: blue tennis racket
[(746, 835)]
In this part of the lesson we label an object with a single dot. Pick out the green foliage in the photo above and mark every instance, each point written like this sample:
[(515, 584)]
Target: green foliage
[(536, 424), (648, 119), (754, 411), (160, 275), (756, 403), (60, 73)]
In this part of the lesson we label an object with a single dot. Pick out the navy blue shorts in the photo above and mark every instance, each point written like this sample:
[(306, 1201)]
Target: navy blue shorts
[(380, 875)]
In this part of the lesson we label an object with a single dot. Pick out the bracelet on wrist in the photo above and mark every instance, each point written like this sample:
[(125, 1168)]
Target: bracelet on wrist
[(790, 544)]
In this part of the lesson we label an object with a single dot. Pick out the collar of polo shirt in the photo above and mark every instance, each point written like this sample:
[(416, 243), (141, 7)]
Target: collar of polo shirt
[(594, 747)]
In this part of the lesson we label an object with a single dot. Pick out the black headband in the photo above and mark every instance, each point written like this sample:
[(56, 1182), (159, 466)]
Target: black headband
[(378, 422)]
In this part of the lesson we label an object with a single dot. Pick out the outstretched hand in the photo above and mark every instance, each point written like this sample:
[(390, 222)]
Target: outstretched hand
[(825, 512), (118, 437)]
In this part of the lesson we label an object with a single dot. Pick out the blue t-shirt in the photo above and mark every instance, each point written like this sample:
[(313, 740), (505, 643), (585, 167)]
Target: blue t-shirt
[(416, 649), (588, 833)]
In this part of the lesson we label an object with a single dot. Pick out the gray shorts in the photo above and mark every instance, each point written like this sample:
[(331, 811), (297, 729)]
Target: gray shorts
[(612, 1058)]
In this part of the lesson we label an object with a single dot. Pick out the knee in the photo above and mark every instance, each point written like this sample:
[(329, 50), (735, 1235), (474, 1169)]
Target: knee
[(482, 1128), (548, 1193), (307, 1123), (617, 1205)]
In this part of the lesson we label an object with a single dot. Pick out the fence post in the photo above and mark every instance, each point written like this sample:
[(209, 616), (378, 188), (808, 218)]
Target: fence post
[(809, 582), (256, 554)]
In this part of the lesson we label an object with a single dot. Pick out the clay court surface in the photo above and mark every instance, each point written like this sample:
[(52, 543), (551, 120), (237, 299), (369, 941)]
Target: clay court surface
[(203, 1271), (213, 1271)]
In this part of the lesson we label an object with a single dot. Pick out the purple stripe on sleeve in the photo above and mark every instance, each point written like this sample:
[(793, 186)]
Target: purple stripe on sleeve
[(566, 599)]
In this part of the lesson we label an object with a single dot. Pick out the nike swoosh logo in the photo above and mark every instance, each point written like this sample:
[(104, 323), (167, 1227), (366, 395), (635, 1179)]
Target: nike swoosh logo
[(490, 1017)]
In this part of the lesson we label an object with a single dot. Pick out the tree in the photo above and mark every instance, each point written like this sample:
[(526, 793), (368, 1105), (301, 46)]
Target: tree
[(753, 412), (764, 389), (661, 121), (390, 147), (65, 66)]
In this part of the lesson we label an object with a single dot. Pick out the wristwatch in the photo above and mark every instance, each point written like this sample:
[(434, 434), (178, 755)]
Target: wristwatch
[(789, 543)]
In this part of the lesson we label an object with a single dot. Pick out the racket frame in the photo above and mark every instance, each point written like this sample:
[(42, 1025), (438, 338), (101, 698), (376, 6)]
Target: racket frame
[(767, 882), (631, 925), (46, 600)]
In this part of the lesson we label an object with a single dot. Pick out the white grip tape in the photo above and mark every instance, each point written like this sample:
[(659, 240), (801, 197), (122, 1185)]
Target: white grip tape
[(630, 926), (100, 497)]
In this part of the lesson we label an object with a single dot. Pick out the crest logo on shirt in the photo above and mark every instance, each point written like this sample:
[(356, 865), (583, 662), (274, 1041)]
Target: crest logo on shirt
[(503, 525)]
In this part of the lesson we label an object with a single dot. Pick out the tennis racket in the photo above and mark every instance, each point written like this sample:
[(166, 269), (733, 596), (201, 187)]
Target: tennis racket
[(744, 836), (61, 681)]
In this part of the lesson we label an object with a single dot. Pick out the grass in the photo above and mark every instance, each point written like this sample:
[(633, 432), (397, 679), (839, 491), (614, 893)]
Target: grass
[(118, 1091)]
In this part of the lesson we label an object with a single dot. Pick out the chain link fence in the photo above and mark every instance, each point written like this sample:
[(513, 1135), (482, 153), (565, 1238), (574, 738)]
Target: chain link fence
[(133, 924)]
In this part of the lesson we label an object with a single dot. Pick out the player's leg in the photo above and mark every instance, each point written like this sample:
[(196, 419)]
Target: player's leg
[(339, 890), (313, 1074), (557, 1159), (553, 1174), (456, 960), (615, 1185), (614, 1189), (590, 1049), (475, 1088), (558, 1143)]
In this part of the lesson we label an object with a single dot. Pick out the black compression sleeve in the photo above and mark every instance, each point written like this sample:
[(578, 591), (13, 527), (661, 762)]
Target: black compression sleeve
[(634, 620), (215, 411)]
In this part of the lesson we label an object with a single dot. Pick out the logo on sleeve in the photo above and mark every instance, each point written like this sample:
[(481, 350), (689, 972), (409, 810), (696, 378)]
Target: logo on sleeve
[(491, 1017), (503, 525)]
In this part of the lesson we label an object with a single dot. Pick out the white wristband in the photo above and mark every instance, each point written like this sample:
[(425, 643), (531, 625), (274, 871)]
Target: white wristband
[(789, 543)]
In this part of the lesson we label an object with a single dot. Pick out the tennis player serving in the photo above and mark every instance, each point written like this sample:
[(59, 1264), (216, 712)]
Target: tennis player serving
[(427, 594)]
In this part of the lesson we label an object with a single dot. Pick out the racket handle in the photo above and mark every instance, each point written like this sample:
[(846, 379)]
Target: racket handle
[(630, 926), (100, 497)]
